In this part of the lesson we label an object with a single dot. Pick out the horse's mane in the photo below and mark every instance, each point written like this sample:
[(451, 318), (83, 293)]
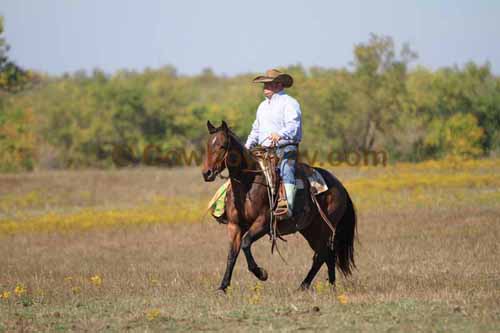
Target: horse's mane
[(242, 147), (235, 137)]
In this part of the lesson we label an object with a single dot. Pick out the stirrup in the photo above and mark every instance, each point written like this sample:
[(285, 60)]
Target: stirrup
[(281, 210)]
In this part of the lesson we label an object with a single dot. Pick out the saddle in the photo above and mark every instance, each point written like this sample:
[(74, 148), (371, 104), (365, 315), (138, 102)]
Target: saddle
[(306, 183)]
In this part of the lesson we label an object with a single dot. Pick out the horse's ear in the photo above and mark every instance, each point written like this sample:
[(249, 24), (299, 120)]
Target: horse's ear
[(224, 126), (211, 128)]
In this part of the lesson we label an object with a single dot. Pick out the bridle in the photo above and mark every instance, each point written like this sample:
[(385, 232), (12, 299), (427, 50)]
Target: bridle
[(222, 163)]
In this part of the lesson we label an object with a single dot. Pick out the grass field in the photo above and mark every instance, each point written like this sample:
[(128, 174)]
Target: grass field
[(130, 250)]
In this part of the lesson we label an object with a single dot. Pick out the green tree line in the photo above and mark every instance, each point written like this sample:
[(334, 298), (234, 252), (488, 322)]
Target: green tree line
[(379, 102)]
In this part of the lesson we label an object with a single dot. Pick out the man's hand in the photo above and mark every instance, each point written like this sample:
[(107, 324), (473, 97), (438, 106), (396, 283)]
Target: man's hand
[(274, 137)]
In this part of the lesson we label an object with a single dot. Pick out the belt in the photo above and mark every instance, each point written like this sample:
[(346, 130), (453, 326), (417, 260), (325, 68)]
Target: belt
[(288, 144)]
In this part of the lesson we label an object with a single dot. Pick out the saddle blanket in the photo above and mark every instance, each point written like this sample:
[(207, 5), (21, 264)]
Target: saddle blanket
[(217, 203)]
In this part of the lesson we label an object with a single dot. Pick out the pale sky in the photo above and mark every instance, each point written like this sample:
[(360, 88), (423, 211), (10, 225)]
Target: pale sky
[(232, 37)]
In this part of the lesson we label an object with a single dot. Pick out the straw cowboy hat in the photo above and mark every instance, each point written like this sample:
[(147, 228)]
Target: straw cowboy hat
[(274, 75)]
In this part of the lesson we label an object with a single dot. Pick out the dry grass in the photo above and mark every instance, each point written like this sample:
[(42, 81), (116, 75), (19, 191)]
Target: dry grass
[(427, 258)]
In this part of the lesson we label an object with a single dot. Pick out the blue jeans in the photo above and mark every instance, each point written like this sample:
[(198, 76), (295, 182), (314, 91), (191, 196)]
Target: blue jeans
[(287, 164)]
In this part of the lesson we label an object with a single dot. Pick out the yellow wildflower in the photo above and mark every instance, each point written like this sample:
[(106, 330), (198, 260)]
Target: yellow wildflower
[(342, 299), (5, 294), (152, 314), (96, 280), (19, 290), (76, 290)]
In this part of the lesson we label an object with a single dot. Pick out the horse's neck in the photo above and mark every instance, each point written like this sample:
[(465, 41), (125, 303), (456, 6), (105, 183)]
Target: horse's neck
[(246, 166), (243, 176)]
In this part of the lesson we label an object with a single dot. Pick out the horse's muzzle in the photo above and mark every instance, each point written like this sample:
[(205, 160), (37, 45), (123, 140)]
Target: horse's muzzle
[(209, 175)]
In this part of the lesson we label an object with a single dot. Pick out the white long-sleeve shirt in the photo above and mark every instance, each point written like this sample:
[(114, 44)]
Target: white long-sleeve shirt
[(279, 114)]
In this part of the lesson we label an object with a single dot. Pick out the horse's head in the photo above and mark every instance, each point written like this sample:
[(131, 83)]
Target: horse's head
[(216, 152)]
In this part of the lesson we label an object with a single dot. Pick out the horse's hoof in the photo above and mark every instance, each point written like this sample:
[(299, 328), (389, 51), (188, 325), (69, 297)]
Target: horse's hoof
[(220, 291), (262, 274), (304, 287)]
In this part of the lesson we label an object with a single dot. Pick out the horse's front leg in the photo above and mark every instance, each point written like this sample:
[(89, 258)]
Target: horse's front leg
[(258, 229), (234, 233)]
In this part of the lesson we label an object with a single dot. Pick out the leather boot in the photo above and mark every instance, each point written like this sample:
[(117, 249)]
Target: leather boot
[(290, 190)]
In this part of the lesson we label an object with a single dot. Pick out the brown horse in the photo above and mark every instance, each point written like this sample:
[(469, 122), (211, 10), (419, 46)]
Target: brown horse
[(248, 211)]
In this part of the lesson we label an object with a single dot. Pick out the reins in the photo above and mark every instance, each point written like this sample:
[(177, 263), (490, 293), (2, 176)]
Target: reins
[(226, 155)]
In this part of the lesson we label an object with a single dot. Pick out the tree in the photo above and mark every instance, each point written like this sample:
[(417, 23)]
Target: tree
[(379, 88), (75, 120), (12, 77), (17, 137), (458, 135)]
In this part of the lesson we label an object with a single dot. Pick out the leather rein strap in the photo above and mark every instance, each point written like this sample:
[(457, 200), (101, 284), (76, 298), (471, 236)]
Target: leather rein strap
[(224, 159)]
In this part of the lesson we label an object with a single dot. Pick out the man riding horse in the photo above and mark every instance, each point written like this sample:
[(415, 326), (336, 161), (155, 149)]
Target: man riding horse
[(324, 213), (279, 124)]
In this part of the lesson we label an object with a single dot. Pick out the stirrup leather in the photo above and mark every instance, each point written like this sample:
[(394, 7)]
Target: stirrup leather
[(282, 210)]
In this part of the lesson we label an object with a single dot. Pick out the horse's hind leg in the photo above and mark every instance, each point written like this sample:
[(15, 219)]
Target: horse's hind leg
[(256, 231), (234, 233), (330, 262), (318, 260), (317, 235)]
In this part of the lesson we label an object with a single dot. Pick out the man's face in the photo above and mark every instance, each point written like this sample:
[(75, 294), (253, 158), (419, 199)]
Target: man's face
[(270, 88)]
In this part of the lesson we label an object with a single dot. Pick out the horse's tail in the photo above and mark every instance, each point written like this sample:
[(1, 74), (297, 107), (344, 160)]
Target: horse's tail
[(343, 240)]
